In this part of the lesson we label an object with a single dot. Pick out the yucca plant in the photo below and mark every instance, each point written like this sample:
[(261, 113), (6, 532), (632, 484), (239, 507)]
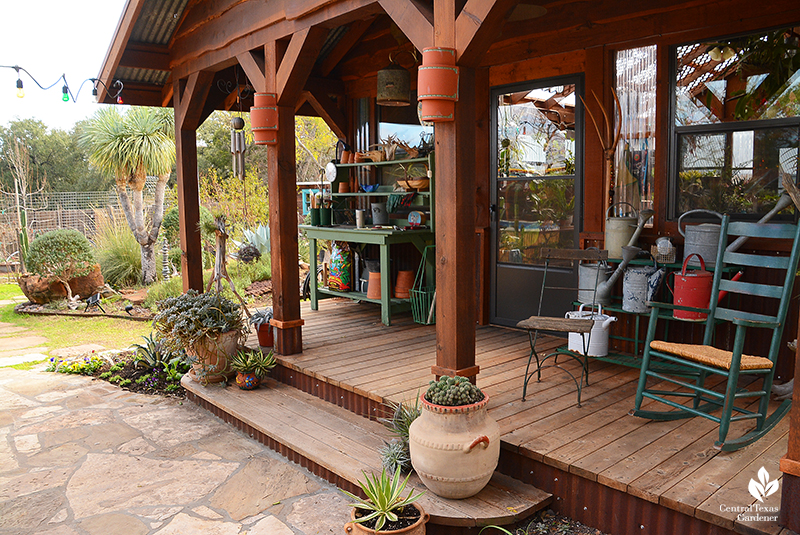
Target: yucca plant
[(384, 498)]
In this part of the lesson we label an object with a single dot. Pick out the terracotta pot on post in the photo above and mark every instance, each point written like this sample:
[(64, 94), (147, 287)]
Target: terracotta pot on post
[(212, 355), (265, 336), (264, 118), (437, 85), (417, 528), (454, 450)]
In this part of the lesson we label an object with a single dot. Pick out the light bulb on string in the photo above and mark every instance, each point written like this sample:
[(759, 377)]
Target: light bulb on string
[(65, 93), (20, 89), (119, 99), (94, 94)]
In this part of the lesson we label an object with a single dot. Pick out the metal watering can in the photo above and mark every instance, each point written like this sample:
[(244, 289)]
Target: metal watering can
[(619, 230), (692, 289), (702, 239), (598, 338), (640, 284)]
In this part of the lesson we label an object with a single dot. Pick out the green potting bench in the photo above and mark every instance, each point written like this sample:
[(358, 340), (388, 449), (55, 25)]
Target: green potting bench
[(383, 237)]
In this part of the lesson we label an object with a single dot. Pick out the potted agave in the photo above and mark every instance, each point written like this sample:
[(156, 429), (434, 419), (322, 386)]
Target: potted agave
[(454, 444), (208, 325), (251, 367), (385, 510), (260, 320)]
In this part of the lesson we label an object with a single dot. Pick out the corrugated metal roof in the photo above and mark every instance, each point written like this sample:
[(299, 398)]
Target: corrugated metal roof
[(147, 76), (157, 21)]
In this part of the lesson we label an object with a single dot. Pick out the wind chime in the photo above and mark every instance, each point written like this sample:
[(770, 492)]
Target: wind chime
[(238, 148)]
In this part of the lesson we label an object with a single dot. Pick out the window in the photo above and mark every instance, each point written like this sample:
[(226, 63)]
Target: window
[(736, 116)]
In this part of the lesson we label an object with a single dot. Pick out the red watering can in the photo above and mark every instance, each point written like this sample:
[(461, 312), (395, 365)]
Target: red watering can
[(692, 289)]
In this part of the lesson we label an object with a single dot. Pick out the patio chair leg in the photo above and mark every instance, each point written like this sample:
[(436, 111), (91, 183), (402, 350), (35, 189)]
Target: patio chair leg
[(701, 379)]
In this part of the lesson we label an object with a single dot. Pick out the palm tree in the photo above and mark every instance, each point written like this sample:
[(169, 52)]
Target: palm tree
[(128, 148)]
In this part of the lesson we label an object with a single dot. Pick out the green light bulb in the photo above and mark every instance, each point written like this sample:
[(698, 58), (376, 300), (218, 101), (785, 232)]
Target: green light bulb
[(65, 94)]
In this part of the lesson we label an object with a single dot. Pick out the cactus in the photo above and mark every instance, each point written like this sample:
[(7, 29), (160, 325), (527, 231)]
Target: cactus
[(453, 391)]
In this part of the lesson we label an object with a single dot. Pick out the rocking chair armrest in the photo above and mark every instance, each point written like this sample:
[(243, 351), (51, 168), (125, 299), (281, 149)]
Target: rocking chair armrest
[(755, 323)]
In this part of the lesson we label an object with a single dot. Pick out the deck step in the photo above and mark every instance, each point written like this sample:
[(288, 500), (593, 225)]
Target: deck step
[(345, 444)]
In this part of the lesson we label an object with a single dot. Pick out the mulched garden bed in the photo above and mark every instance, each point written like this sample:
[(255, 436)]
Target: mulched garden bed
[(119, 368)]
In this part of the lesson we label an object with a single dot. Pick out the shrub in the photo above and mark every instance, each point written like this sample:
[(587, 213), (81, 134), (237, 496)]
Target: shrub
[(171, 230), (60, 255), (162, 290), (118, 252)]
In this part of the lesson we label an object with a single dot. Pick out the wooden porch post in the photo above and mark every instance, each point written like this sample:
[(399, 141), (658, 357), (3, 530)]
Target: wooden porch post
[(189, 97), (455, 219), (790, 464)]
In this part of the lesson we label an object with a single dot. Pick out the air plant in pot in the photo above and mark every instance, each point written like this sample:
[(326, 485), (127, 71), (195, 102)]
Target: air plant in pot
[(395, 454), (260, 320)]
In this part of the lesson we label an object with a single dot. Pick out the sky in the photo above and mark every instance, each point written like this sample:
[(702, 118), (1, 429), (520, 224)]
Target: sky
[(49, 38)]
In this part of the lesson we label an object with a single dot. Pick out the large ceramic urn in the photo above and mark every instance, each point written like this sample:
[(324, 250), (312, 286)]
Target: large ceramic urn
[(454, 450), (211, 356)]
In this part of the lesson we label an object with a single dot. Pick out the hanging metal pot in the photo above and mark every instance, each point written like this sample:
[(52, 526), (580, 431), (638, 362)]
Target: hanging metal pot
[(702, 239), (619, 230)]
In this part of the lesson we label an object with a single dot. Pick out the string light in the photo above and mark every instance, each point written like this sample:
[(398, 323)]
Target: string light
[(66, 93)]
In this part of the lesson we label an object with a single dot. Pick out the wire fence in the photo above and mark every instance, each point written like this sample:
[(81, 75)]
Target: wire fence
[(56, 210)]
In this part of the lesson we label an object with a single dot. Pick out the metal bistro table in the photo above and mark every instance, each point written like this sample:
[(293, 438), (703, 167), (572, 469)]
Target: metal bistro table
[(383, 237)]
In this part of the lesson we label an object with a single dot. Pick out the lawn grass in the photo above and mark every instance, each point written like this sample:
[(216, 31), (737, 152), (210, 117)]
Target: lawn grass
[(7, 291), (67, 331)]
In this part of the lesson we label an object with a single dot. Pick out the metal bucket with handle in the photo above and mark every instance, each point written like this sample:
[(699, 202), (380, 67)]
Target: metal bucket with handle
[(692, 289)]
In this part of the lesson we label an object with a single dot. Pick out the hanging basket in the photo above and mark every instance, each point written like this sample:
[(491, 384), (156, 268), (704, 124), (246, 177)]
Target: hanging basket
[(422, 297), (264, 118)]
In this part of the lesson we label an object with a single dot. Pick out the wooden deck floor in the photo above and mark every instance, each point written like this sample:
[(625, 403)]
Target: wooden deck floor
[(672, 464)]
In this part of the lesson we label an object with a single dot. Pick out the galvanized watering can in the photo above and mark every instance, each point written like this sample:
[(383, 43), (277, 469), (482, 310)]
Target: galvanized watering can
[(590, 276), (702, 239), (640, 284), (619, 230), (597, 339)]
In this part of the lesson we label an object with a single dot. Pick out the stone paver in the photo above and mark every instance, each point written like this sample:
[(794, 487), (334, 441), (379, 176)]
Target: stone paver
[(82, 456)]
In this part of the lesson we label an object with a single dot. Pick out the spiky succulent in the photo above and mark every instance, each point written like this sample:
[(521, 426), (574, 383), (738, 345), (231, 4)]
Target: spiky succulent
[(395, 455), (453, 391)]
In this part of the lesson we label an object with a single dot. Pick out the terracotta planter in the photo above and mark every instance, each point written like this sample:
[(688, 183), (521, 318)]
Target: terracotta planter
[(264, 118), (265, 336), (417, 528), (405, 281), (437, 84), (212, 355), (247, 380), (454, 449)]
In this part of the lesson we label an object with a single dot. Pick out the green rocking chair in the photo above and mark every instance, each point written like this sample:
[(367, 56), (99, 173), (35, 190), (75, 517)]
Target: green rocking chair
[(706, 360)]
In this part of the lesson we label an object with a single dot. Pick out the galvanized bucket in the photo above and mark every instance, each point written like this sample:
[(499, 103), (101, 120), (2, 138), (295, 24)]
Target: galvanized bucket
[(702, 239), (590, 276), (640, 285), (619, 230)]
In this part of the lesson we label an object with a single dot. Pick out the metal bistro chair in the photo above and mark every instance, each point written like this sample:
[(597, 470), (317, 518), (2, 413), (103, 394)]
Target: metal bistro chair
[(583, 327), (707, 359)]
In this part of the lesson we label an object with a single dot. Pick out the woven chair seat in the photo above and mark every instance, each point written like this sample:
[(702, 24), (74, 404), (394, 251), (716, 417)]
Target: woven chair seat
[(710, 356)]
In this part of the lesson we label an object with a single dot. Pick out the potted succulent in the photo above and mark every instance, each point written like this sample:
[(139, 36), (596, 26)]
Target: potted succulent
[(260, 320), (454, 414), (208, 325), (385, 510), (251, 367)]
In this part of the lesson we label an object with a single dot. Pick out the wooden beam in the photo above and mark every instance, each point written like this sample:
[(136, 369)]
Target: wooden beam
[(145, 56), (189, 102), (297, 63), (413, 18), (115, 50), (327, 109), (253, 66), (282, 180), (354, 32), (477, 27)]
